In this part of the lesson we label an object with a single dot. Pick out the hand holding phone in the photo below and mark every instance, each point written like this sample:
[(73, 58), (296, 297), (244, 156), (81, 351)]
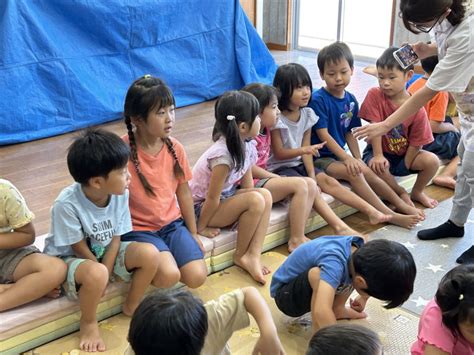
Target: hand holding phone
[(405, 56)]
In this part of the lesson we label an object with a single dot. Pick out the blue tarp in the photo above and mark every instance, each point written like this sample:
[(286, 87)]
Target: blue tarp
[(67, 64)]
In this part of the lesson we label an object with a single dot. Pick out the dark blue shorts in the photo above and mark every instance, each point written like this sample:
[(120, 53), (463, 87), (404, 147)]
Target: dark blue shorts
[(397, 162), (174, 237), (297, 171), (445, 145)]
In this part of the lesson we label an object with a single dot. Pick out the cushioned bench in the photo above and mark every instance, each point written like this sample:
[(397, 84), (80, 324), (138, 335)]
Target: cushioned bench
[(44, 320)]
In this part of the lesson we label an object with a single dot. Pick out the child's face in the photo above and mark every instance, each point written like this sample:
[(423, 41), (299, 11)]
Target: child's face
[(117, 181), (392, 81), (160, 122), (270, 113), (301, 96), (467, 331), (337, 76)]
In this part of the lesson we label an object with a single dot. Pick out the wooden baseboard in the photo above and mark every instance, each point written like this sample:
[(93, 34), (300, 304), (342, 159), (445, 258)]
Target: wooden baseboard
[(278, 47)]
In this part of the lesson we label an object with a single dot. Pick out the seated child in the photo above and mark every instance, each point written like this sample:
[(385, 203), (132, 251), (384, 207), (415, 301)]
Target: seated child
[(222, 183), (447, 322), (25, 273), (319, 276), (176, 322), (446, 135), (87, 220), (345, 339), (338, 111), (303, 190), (399, 152)]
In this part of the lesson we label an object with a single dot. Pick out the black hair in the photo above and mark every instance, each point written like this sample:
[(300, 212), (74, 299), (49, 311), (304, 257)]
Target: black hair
[(429, 64), (393, 284), (263, 93), (388, 61), (147, 94), (334, 53), (243, 107), (422, 11), (96, 152), (344, 339), (287, 78), (455, 297), (168, 322)]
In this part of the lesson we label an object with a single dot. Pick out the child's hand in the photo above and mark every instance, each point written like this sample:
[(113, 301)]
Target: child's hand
[(348, 313), (210, 232), (353, 166), (358, 304), (268, 345), (313, 149), (379, 164), (198, 240)]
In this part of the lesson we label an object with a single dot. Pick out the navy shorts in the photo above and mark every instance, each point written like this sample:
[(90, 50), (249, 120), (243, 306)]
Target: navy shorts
[(294, 298), (297, 171), (174, 237), (397, 162), (445, 145)]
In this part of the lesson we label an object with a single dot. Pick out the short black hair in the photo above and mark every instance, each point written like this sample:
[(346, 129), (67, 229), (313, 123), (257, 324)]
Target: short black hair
[(96, 152), (429, 64), (388, 61), (455, 297), (393, 284), (168, 322), (287, 78), (334, 53), (263, 93), (344, 339)]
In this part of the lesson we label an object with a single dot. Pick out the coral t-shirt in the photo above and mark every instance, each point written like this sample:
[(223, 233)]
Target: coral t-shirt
[(151, 213), (414, 131), (432, 331), (437, 106)]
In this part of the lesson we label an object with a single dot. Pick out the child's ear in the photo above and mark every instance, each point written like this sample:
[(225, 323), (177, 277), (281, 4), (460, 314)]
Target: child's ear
[(409, 75), (96, 182), (136, 119), (243, 127), (360, 283)]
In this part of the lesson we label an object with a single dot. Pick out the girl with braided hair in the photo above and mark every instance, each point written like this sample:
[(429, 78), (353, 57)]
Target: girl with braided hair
[(160, 174)]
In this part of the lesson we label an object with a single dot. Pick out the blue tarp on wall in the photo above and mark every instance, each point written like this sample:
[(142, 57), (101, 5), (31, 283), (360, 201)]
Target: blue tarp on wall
[(67, 64)]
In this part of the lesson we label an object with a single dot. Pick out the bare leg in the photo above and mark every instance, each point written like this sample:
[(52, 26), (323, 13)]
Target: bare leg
[(92, 278), (35, 276), (142, 259), (448, 177), (194, 273), (167, 273), (427, 163)]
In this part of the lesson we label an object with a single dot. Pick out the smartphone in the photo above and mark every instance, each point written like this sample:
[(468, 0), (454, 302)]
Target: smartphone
[(405, 56)]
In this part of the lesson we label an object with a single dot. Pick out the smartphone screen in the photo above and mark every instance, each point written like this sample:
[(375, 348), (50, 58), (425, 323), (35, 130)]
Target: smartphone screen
[(405, 56)]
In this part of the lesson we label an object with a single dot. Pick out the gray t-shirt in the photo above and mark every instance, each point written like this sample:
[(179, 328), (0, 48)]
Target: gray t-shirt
[(74, 217), (292, 136)]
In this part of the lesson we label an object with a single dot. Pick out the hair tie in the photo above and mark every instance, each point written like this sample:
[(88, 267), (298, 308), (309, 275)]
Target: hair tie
[(230, 117), (461, 296), (146, 76)]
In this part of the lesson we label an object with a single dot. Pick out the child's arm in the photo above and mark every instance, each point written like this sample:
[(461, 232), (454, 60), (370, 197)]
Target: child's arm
[(322, 302), (282, 153), (259, 173), (81, 250), (186, 205), (210, 205), (247, 180), (442, 127), (410, 155), (352, 312), (307, 158), (111, 254), (268, 343), (378, 163), (20, 237)]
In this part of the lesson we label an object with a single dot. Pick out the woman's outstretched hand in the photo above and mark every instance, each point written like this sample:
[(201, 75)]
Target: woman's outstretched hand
[(370, 131)]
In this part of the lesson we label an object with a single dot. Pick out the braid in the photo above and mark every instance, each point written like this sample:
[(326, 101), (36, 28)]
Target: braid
[(134, 157), (177, 170)]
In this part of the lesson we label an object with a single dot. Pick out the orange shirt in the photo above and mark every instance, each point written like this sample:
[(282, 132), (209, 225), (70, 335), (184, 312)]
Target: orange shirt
[(437, 106), (151, 213)]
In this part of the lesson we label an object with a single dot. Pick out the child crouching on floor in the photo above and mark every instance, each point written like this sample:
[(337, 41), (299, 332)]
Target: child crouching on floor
[(176, 322)]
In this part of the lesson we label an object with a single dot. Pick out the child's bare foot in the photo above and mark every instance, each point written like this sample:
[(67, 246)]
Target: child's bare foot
[(210, 232), (89, 337), (253, 267), (295, 243), (405, 221), (4, 287), (406, 198), (424, 199), (411, 210), (377, 217), (445, 181), (54, 293)]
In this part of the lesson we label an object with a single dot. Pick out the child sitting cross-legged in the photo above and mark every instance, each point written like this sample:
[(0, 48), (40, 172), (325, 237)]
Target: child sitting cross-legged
[(399, 152), (176, 322), (87, 220), (319, 276)]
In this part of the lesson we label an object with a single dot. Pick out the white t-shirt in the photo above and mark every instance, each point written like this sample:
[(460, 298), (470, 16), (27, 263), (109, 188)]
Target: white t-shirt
[(292, 136), (455, 70)]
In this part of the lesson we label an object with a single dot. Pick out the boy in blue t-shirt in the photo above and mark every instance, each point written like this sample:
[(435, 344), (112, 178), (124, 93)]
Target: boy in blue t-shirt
[(319, 276), (338, 113), (87, 220)]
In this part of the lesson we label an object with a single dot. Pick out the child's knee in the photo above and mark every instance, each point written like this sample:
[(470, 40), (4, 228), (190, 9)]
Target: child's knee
[(196, 276), (92, 274), (166, 277), (256, 200), (147, 256), (267, 196)]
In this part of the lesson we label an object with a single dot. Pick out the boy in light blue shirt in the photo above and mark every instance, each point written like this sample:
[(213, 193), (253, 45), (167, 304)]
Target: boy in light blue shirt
[(87, 220)]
